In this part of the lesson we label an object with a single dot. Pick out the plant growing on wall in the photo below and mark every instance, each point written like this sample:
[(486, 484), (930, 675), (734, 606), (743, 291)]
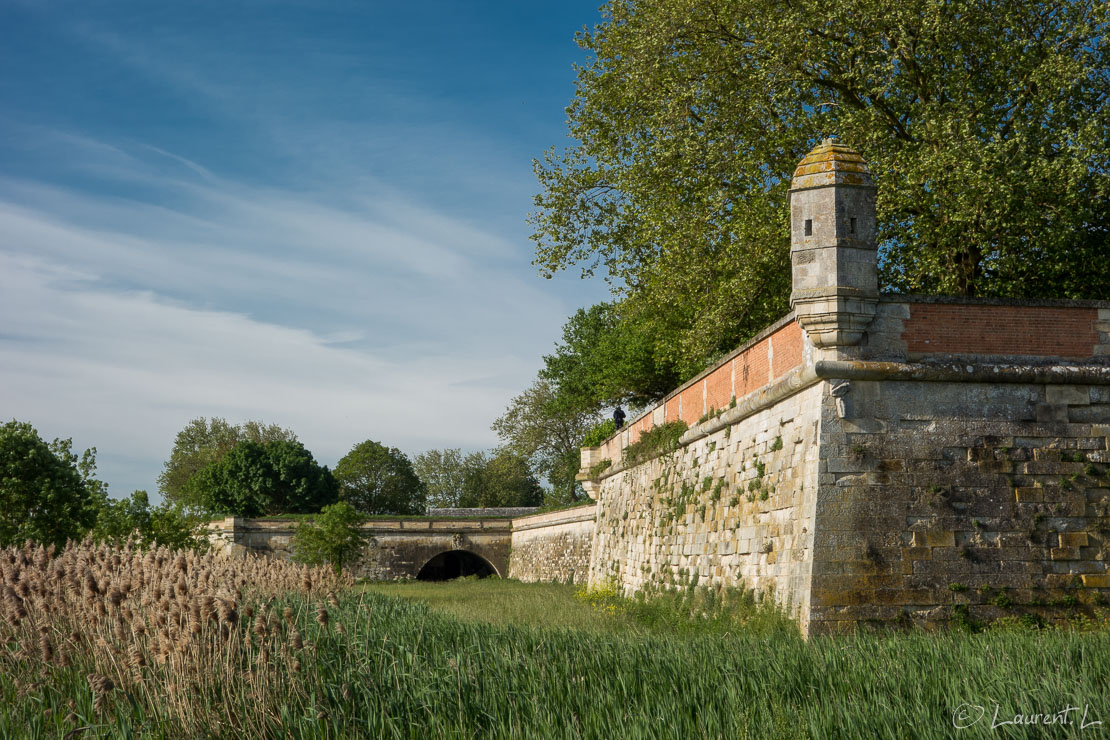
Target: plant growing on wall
[(656, 441)]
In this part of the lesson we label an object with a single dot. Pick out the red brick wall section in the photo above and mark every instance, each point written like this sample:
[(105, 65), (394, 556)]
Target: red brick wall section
[(943, 328), (715, 390), (718, 387), (672, 410), (752, 369), (692, 404), (787, 343)]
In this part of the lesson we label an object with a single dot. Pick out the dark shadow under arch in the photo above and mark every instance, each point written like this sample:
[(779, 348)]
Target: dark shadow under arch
[(455, 564)]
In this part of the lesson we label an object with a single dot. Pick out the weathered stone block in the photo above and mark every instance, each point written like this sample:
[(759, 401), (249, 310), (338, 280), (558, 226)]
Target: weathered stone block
[(1068, 394)]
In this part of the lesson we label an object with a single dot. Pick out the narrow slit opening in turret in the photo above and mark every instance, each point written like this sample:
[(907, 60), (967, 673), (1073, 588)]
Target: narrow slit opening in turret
[(809, 227)]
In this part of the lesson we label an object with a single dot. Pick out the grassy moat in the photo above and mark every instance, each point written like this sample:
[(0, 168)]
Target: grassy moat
[(272, 654)]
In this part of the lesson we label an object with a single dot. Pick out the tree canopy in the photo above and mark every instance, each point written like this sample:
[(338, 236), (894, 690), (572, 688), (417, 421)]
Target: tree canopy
[(478, 479), (443, 473), (546, 431), (332, 537), (376, 479), (257, 479), (501, 479), (203, 442), (47, 494), (166, 525), (983, 121)]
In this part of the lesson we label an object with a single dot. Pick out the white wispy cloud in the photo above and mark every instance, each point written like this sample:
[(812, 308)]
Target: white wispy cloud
[(125, 370), (336, 248), (124, 319)]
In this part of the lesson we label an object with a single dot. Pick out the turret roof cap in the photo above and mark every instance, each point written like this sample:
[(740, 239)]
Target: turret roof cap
[(831, 163)]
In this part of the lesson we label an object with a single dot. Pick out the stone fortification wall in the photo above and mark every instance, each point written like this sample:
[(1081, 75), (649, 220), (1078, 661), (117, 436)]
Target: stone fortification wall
[(732, 506), (755, 365), (913, 459), (946, 499), (959, 486), (553, 546)]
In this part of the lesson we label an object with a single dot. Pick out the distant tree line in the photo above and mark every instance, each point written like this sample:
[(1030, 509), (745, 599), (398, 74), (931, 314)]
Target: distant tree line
[(49, 494), (256, 470)]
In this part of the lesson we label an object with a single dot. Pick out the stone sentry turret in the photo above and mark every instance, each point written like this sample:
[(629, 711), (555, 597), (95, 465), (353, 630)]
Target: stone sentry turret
[(833, 247)]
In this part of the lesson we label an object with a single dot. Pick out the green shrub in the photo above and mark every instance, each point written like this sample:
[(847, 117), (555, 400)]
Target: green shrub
[(599, 433), (333, 537), (655, 441)]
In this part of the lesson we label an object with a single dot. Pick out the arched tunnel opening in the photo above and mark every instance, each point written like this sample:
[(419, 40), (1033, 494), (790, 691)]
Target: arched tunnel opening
[(455, 564)]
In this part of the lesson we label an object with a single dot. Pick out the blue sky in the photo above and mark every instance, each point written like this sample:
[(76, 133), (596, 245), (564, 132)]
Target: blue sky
[(308, 213)]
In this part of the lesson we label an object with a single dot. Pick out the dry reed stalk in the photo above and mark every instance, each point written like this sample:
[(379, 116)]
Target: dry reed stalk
[(101, 685), (122, 608)]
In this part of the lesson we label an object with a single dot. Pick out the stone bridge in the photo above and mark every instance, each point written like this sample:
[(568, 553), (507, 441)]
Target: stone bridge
[(426, 548)]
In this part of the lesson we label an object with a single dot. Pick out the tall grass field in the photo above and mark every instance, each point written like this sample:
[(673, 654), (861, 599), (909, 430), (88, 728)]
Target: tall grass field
[(113, 642)]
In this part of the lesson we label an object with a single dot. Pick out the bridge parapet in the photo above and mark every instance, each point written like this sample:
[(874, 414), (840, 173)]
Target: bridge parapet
[(397, 548)]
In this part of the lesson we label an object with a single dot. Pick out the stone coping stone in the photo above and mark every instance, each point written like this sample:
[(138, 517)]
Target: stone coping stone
[(483, 513), (969, 301), (583, 513)]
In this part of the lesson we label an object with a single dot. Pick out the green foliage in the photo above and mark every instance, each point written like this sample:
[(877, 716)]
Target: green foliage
[(167, 525), (443, 473), (608, 357), (545, 426), (718, 487), (256, 479), (984, 123), (47, 494), (656, 441), (693, 610), (598, 433), (333, 537), (502, 479), (380, 480), (203, 443), (600, 467)]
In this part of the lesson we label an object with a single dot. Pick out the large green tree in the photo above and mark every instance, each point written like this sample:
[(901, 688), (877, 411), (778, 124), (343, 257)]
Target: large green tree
[(203, 442), (608, 356), (47, 494), (376, 479), (984, 122), (166, 525), (256, 479), (501, 479), (443, 473), (546, 430)]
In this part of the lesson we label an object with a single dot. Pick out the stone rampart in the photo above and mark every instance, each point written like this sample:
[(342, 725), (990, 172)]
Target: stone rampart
[(894, 459), (553, 546)]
